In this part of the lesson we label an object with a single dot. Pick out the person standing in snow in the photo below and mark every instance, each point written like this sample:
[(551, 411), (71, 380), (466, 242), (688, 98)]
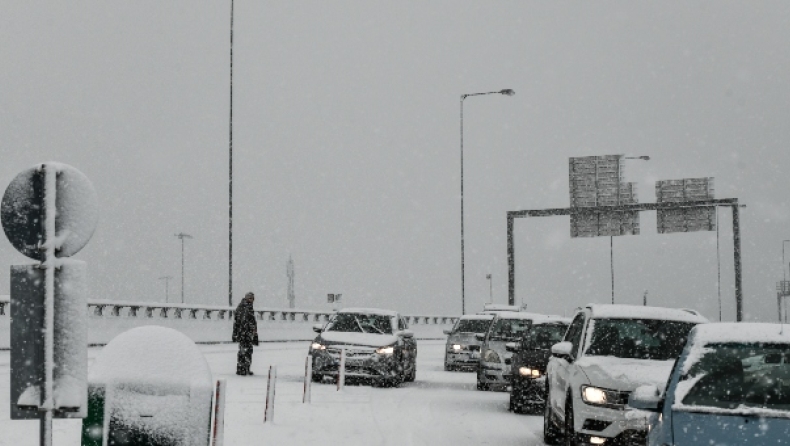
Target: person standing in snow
[(245, 332)]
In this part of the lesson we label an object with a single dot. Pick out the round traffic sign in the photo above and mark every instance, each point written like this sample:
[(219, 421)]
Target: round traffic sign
[(23, 212)]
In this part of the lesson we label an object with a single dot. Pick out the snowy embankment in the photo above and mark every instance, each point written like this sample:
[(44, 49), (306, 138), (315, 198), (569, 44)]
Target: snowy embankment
[(206, 324)]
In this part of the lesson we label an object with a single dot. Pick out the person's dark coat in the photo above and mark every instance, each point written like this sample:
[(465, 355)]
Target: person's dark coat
[(245, 327)]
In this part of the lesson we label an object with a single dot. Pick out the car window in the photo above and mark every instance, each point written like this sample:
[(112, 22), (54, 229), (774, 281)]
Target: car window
[(508, 329), (736, 376), (543, 336), (361, 323), (472, 326), (402, 324), (638, 338), (574, 333)]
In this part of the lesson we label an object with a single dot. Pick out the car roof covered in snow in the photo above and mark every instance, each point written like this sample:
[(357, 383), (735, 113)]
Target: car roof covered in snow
[(742, 332), (484, 317), (603, 311), (552, 319), (535, 317), (379, 311)]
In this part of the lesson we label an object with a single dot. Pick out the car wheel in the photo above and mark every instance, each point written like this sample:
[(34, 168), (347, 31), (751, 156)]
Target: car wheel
[(448, 367), (551, 434), (480, 384), (413, 372), (570, 433), (317, 377), (517, 399)]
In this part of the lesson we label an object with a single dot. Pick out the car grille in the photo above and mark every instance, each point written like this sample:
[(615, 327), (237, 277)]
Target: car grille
[(473, 348), (350, 353)]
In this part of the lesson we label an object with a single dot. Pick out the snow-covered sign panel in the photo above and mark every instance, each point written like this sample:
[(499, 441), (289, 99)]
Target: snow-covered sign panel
[(152, 386), (598, 181), (70, 355), (689, 219), (75, 212)]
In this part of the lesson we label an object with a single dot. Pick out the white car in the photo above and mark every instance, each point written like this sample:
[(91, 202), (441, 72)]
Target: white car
[(607, 352)]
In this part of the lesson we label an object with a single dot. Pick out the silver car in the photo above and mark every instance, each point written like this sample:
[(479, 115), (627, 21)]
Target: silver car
[(463, 348), (493, 370)]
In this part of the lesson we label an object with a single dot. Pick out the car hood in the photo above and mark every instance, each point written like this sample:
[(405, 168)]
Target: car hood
[(624, 374), (362, 339)]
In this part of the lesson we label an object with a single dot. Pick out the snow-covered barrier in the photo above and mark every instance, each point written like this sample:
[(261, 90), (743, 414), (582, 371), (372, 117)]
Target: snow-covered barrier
[(209, 324)]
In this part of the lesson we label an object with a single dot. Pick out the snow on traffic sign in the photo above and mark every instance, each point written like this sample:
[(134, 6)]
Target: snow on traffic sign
[(598, 181), (685, 220)]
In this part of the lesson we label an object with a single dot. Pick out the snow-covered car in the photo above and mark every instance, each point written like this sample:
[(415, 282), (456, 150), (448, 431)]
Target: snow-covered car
[(716, 395), (493, 369), (607, 352), (528, 363), (463, 348), (378, 344)]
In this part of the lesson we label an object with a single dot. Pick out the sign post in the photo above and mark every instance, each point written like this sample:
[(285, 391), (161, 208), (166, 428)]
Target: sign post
[(49, 212)]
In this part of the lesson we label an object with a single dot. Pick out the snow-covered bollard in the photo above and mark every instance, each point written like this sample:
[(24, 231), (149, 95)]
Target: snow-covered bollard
[(218, 433), (268, 415), (341, 370), (308, 378), (150, 385)]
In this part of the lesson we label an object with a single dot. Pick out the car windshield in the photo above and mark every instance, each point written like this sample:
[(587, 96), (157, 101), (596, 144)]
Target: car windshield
[(732, 375), (543, 336), (361, 323), (509, 329), (638, 338), (472, 326)]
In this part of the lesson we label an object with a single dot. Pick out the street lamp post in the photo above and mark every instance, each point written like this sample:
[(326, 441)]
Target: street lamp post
[(230, 172), (490, 289), (182, 236), (506, 92), (784, 277), (167, 287)]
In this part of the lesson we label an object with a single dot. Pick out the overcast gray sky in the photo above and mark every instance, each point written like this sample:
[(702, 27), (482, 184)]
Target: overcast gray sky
[(346, 143)]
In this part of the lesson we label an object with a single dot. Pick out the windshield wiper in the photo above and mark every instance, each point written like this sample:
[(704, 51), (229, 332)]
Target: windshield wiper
[(362, 329)]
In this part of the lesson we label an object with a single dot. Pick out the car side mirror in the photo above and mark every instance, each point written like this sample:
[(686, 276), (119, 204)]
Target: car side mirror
[(318, 328), (645, 398), (447, 331), (407, 333), (480, 337), (562, 350), (511, 347)]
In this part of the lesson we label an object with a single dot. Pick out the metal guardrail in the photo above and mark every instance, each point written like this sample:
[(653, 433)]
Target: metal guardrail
[(111, 309)]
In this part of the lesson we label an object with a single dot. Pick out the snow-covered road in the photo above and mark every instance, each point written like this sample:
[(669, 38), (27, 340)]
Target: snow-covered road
[(439, 408)]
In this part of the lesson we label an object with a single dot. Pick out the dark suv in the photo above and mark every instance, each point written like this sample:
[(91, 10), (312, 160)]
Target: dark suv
[(531, 353)]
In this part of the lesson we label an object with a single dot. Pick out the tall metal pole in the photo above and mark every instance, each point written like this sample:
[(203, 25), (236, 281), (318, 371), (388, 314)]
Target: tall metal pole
[(490, 288), (167, 287), (463, 270), (511, 267), (230, 174), (182, 236), (718, 261), (611, 263), (784, 279), (506, 92), (736, 230)]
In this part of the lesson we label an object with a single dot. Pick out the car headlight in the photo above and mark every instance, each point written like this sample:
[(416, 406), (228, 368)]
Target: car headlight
[(490, 356), (457, 347), (528, 372), (386, 350), (594, 395), (317, 346)]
